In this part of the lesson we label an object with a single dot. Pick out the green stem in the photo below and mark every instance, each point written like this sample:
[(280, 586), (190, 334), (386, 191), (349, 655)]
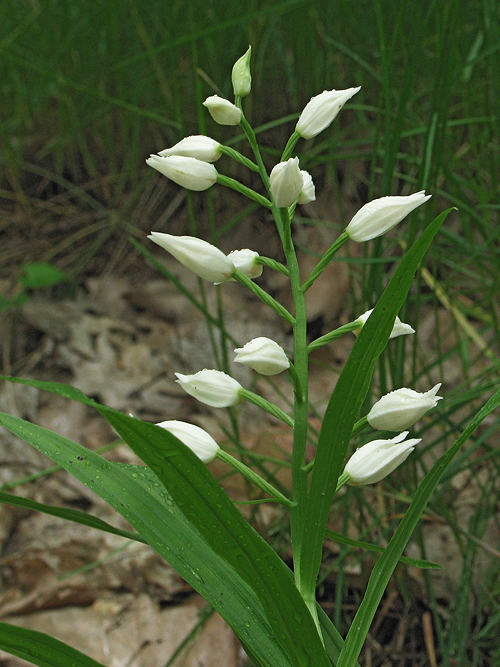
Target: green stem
[(227, 150), (255, 478), (292, 372), (327, 338), (325, 260), (266, 405), (299, 477), (342, 481), (272, 264), (252, 140), (263, 296), (358, 426), (290, 145), (309, 466), (239, 187)]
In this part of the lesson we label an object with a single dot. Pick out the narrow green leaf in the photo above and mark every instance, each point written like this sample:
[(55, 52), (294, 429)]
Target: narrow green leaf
[(331, 636), (346, 401), (76, 516), (415, 562), (208, 508), (136, 493), (205, 505), (385, 566), (41, 649), (58, 388)]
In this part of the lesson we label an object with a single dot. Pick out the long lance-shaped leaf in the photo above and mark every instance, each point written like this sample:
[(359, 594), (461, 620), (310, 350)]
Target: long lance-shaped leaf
[(41, 649), (207, 507), (345, 404), (331, 636), (137, 495), (76, 516), (385, 565)]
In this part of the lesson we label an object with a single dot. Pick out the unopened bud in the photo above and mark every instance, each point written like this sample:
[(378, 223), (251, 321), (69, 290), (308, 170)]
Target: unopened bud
[(223, 111), (212, 387), (241, 77), (286, 182), (199, 441), (377, 459), (197, 255), (263, 355)]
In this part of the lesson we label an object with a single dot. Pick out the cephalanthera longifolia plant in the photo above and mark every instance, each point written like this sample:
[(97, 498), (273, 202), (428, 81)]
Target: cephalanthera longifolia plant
[(176, 505)]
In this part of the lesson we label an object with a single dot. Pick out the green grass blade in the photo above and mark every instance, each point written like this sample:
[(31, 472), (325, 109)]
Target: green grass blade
[(76, 516), (136, 494), (41, 649), (388, 561), (414, 562), (346, 401)]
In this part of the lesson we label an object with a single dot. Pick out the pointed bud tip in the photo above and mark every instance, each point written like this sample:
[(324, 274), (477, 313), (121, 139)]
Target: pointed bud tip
[(240, 75)]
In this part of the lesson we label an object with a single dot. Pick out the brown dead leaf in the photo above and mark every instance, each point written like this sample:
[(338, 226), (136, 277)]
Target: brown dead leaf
[(127, 631)]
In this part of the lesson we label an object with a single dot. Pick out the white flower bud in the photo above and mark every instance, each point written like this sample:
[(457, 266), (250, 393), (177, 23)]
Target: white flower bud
[(399, 328), (197, 146), (286, 182), (240, 76), (199, 441), (188, 172), (200, 257), (377, 459), (212, 387), (244, 261), (223, 111), (401, 408), (308, 192), (263, 355), (321, 110), (380, 215)]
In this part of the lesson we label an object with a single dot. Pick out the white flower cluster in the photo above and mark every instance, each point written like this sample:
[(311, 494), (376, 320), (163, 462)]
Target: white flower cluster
[(190, 164)]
